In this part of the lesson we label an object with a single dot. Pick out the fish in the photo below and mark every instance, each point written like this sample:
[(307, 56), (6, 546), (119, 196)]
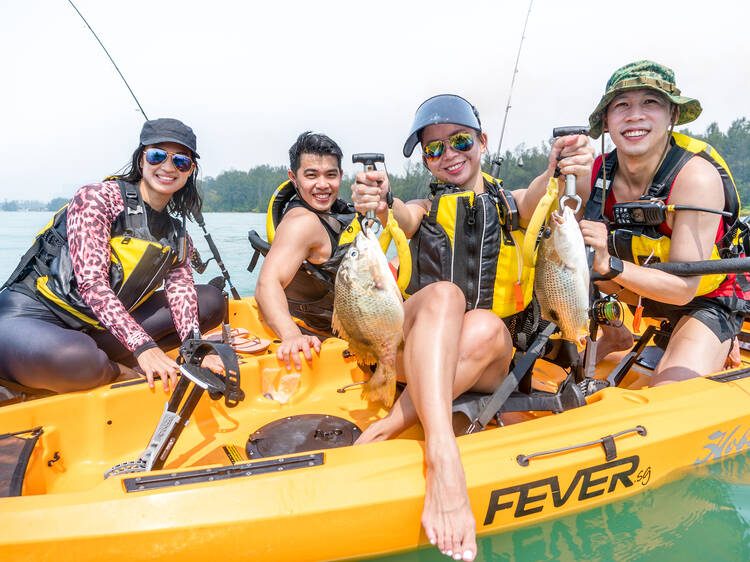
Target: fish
[(561, 278), (368, 312)]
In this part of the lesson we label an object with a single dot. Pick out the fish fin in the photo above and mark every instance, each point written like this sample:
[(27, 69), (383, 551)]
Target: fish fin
[(338, 329), (364, 355), (382, 386)]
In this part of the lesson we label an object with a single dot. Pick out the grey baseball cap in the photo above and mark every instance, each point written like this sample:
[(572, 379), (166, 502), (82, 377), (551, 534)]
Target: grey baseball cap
[(169, 130)]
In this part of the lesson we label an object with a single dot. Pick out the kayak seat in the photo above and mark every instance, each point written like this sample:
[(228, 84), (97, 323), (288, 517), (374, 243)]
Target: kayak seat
[(12, 392), (515, 393)]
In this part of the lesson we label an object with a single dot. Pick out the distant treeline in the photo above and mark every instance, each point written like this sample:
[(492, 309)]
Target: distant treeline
[(236, 190), (250, 191)]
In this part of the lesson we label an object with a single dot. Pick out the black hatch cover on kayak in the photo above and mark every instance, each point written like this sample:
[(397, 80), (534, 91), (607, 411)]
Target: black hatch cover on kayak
[(298, 434)]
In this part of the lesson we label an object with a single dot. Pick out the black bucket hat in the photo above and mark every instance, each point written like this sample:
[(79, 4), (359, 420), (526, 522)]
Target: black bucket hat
[(443, 108), (169, 130)]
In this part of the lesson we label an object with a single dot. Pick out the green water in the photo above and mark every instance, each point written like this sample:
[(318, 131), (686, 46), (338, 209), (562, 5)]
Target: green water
[(704, 515)]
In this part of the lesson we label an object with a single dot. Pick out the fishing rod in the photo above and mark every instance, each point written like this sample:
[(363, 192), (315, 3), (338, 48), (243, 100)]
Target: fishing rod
[(110, 59), (198, 215), (497, 161)]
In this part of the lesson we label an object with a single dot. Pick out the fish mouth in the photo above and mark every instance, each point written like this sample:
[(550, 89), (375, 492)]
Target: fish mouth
[(557, 218)]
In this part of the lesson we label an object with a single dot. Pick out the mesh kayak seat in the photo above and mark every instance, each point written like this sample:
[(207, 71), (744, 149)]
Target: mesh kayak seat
[(15, 451)]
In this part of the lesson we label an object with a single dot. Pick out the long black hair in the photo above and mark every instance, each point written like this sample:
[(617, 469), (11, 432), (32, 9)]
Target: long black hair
[(184, 202)]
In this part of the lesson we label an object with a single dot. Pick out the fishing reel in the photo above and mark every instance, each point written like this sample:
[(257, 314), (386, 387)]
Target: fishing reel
[(197, 263), (607, 311)]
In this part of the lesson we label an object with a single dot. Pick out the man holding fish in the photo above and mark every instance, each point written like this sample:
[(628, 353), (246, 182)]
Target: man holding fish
[(654, 166), (470, 292)]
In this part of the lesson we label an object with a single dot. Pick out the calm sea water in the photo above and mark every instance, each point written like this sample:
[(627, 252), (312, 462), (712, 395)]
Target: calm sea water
[(704, 515)]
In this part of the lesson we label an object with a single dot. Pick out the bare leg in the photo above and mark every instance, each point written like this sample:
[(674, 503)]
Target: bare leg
[(434, 322), (693, 351), (484, 353)]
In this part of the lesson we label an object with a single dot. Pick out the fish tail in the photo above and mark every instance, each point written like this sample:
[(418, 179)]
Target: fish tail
[(382, 386)]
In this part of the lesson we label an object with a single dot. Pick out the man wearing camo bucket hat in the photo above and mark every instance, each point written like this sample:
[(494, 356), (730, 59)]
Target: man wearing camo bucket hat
[(658, 168)]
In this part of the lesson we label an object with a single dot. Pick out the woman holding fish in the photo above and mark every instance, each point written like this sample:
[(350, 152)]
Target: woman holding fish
[(470, 294)]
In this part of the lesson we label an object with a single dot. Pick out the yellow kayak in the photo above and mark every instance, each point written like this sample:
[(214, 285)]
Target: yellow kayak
[(224, 491)]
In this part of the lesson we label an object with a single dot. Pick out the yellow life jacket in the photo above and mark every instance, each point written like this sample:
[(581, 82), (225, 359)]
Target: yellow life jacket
[(467, 239), (139, 262), (638, 244)]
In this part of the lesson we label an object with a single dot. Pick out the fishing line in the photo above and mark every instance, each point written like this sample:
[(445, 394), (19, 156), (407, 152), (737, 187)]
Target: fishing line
[(498, 160), (199, 216), (111, 60)]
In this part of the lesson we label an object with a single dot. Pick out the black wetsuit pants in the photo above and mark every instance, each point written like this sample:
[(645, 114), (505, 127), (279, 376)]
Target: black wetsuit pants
[(38, 350)]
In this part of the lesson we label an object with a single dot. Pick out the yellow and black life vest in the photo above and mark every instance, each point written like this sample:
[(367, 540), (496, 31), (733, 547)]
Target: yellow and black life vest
[(139, 262), (310, 292), (640, 243), (469, 239)]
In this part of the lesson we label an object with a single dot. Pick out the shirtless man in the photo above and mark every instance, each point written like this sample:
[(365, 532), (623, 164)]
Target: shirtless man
[(307, 240), (639, 110)]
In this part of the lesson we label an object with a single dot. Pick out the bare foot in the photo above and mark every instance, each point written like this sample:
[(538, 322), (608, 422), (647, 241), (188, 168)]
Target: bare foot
[(613, 339), (734, 359), (378, 431), (447, 518)]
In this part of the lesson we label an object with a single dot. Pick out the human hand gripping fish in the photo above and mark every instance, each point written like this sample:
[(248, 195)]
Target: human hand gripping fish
[(368, 312)]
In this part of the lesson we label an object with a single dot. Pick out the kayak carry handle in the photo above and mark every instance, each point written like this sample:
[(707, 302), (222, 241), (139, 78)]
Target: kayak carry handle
[(607, 442)]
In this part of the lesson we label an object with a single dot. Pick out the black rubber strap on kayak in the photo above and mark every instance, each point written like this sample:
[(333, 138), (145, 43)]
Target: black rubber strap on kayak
[(522, 368)]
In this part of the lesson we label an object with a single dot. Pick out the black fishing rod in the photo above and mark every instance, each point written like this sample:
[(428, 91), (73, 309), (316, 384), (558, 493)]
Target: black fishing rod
[(497, 161), (200, 266), (693, 268), (198, 214)]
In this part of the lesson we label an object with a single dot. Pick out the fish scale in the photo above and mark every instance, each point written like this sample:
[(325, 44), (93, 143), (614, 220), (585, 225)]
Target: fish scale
[(561, 281)]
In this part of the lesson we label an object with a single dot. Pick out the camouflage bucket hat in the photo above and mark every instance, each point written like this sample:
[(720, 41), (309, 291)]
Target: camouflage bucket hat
[(644, 74)]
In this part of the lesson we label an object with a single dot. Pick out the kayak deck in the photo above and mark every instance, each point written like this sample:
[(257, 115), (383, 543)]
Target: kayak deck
[(371, 496)]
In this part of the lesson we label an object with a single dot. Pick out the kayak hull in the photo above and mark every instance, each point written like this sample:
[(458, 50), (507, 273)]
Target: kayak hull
[(358, 501)]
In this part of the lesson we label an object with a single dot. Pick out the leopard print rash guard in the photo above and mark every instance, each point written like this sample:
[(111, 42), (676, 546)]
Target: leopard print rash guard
[(91, 214)]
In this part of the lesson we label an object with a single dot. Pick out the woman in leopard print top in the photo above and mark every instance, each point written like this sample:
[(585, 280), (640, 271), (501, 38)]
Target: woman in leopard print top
[(40, 349)]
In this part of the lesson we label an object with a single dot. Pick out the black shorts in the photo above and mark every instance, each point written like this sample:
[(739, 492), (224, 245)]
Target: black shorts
[(722, 315)]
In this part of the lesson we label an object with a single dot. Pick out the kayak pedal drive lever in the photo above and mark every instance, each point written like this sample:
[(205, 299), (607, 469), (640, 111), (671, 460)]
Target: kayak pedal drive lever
[(195, 380), (570, 179)]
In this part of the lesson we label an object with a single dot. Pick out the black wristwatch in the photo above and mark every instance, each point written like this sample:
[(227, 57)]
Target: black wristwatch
[(615, 268)]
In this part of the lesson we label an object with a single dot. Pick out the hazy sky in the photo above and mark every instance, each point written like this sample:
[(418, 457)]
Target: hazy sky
[(249, 76)]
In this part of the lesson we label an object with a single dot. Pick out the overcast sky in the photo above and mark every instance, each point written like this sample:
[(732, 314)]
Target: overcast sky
[(249, 76)]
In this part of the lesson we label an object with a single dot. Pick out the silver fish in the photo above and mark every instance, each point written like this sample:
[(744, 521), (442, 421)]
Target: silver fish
[(368, 312), (561, 281)]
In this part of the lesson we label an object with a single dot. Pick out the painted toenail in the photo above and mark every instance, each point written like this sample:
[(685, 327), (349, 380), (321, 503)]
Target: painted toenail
[(432, 541), (448, 553), (468, 555), (457, 556)]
